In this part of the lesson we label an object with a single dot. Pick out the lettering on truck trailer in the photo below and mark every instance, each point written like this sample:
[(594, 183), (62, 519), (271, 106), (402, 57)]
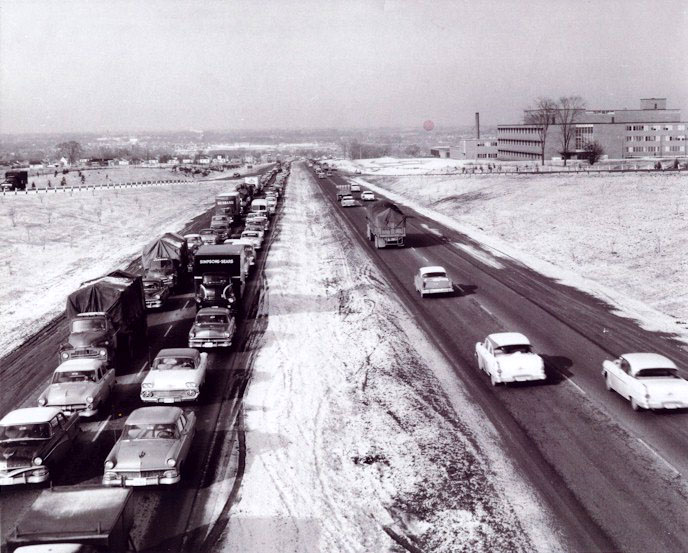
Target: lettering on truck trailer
[(214, 261)]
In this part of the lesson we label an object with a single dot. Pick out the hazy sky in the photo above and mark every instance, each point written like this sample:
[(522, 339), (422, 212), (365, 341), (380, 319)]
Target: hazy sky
[(166, 65)]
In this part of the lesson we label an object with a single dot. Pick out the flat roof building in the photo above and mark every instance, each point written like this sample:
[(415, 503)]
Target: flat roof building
[(474, 148)]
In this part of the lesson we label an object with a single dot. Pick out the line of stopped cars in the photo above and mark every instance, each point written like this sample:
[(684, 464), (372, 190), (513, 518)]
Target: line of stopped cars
[(156, 439)]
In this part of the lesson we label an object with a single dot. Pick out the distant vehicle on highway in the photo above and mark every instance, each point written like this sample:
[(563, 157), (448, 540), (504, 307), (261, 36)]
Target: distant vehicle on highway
[(254, 236), (257, 217), (357, 172), (152, 448), (193, 241), (156, 292), (213, 327), (432, 280), (79, 386), (33, 441), (176, 374), (509, 357), (647, 380), (385, 224), (355, 187), (236, 175), (348, 201), (15, 179), (367, 196), (210, 236), (321, 175)]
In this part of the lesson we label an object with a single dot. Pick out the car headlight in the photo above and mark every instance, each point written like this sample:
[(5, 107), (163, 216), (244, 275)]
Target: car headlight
[(156, 297), (65, 355), (42, 401), (192, 334), (37, 461), (102, 352), (89, 399), (109, 464), (147, 385), (225, 334), (191, 385), (171, 462)]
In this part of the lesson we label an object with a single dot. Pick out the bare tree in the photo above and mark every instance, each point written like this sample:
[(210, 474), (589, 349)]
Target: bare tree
[(71, 150), (569, 111), (542, 115)]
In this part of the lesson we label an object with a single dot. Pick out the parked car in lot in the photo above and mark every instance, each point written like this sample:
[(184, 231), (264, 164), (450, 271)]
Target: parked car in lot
[(509, 357), (253, 236), (367, 196), (348, 201), (33, 441), (156, 292), (213, 327), (432, 280), (647, 380), (152, 449), (79, 386), (176, 375), (210, 236)]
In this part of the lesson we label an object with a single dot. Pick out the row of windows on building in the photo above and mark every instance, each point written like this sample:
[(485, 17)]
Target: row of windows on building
[(651, 149), (656, 138), (517, 142), (518, 130), (655, 127), (486, 144), (485, 156), (522, 155)]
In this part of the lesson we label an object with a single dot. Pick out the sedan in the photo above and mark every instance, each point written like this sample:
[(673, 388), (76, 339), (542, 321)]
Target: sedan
[(253, 236), (432, 280), (155, 292), (367, 196), (176, 374), (257, 217), (79, 386), (647, 380), (213, 327), (210, 236), (509, 357), (152, 448), (348, 201)]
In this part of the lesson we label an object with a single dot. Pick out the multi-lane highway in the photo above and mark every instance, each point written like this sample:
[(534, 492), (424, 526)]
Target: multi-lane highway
[(174, 519), (614, 478)]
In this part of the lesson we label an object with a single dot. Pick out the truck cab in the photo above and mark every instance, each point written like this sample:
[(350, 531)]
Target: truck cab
[(91, 335), (163, 268), (215, 289)]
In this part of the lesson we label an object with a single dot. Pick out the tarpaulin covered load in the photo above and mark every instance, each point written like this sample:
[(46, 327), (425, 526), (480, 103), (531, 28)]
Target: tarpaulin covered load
[(386, 214), (169, 245), (120, 294)]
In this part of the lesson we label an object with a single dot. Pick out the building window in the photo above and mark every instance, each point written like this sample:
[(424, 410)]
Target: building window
[(583, 136), (680, 127), (668, 127)]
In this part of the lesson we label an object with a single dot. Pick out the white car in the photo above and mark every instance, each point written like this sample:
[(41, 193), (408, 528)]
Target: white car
[(261, 219), (177, 374), (509, 357), (253, 236), (432, 280), (647, 380), (355, 187), (367, 196), (348, 201)]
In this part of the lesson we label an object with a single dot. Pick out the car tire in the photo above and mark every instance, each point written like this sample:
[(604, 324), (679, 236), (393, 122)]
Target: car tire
[(493, 380), (607, 382), (635, 406)]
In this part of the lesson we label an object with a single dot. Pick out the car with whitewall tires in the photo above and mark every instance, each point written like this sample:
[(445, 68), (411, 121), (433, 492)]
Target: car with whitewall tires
[(176, 375), (213, 327), (647, 380), (432, 280), (367, 196), (509, 357)]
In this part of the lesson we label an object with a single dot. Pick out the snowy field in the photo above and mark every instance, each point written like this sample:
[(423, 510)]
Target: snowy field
[(358, 437), (99, 177), (621, 237), (51, 243)]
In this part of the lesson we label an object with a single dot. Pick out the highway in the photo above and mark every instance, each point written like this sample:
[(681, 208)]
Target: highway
[(612, 477), (167, 519)]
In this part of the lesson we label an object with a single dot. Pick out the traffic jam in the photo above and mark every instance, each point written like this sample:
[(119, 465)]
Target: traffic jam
[(108, 321)]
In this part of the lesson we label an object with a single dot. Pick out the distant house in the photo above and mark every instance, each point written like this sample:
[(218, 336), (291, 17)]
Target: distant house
[(439, 151), (36, 164), (123, 162), (204, 160), (64, 162), (152, 163), (100, 162), (187, 161)]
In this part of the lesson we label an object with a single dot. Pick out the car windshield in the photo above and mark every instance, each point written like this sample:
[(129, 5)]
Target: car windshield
[(250, 234), (150, 432), (62, 377), (647, 373), (36, 431), (214, 319), (435, 274), (513, 348), (191, 240), (215, 279), (161, 264), (87, 325), (208, 232), (173, 363), (151, 285)]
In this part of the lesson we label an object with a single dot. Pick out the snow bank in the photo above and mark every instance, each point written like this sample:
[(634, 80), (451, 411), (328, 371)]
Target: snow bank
[(619, 237), (52, 243), (351, 436)]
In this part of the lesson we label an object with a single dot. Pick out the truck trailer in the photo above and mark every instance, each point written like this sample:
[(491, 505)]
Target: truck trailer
[(385, 224), (166, 258), (343, 190), (229, 204), (219, 275)]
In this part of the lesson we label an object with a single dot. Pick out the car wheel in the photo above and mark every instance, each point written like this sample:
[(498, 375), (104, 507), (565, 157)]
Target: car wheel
[(493, 380), (634, 405), (607, 382)]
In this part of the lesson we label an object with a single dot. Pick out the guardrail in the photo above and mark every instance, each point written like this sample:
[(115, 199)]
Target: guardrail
[(94, 187)]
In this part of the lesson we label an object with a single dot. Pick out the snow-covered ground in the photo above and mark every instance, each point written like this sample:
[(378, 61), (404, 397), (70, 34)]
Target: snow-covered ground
[(356, 430), (621, 237), (51, 243)]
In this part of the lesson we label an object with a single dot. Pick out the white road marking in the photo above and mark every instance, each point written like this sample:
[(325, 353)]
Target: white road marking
[(576, 386), (187, 304), (433, 230), (142, 367), (168, 330), (486, 310), (101, 428), (654, 452)]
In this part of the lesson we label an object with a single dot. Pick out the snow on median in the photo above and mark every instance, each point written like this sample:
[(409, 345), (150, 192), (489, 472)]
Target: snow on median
[(351, 436)]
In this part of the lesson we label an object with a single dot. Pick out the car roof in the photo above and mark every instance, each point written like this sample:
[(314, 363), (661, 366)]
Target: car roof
[(500, 339), (433, 269), (178, 352), (193, 235), (79, 365), (157, 414), (640, 361), (213, 311), (29, 415)]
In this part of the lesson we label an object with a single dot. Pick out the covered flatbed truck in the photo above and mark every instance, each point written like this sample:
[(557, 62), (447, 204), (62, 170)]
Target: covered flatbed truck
[(78, 519), (385, 224)]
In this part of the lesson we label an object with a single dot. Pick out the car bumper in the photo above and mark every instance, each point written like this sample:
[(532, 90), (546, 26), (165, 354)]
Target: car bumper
[(437, 290), (520, 377), (210, 343), (19, 477), (82, 409), (153, 304), (123, 480), (664, 404), (170, 396)]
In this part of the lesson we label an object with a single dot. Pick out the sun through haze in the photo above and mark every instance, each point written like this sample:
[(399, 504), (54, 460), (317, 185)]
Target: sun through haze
[(166, 65)]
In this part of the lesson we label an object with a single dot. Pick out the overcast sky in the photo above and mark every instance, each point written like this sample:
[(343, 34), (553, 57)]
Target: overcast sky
[(167, 65)]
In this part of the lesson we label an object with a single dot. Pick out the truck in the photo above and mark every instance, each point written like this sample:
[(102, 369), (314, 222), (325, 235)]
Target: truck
[(229, 204), (166, 258), (253, 182), (107, 319), (219, 275), (15, 179), (385, 224), (68, 519), (343, 190)]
